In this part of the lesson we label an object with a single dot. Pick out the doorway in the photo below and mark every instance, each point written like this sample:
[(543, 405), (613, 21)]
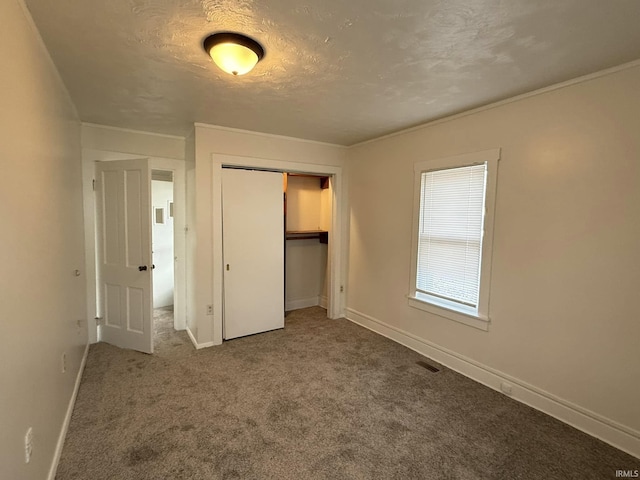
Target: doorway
[(308, 224), (126, 215), (273, 263), (163, 257), (336, 238)]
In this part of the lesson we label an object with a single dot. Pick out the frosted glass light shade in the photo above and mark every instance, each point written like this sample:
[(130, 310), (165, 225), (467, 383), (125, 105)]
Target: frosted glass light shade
[(233, 58), (234, 53)]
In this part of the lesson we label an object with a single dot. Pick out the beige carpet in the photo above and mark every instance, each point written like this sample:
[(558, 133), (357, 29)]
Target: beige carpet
[(167, 342), (321, 399)]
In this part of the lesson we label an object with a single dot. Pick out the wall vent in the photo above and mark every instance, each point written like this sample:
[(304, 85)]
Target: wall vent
[(428, 366)]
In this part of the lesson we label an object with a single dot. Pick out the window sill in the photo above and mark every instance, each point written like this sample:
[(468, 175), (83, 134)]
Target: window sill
[(444, 309)]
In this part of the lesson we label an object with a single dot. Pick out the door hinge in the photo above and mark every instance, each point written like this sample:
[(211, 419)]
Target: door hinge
[(99, 321), (93, 184)]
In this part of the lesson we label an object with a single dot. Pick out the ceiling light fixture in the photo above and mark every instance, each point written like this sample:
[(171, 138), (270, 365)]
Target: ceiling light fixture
[(234, 53)]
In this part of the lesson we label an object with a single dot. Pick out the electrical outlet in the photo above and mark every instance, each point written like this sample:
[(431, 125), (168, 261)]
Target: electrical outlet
[(28, 445), (209, 309), (506, 388), (63, 362)]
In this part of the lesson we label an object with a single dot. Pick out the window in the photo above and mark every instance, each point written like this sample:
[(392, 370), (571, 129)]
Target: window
[(453, 230)]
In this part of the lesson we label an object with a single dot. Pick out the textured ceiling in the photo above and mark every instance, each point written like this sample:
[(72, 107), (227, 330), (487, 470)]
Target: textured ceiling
[(339, 71)]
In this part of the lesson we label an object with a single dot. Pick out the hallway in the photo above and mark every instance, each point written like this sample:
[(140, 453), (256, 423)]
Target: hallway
[(167, 342)]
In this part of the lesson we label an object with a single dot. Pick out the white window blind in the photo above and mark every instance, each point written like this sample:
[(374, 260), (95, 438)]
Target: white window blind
[(452, 205)]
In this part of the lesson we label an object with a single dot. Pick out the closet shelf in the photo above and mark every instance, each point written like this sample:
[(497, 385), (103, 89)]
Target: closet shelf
[(321, 235)]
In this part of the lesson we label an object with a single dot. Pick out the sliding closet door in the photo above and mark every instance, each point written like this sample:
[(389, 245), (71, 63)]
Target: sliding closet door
[(253, 250)]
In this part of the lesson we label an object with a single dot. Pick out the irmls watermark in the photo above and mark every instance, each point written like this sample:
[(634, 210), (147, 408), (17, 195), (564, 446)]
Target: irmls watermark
[(627, 473)]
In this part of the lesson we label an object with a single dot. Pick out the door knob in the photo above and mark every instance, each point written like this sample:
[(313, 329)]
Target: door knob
[(142, 268)]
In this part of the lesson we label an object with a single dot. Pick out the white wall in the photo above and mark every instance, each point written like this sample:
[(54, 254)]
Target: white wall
[(566, 268), (141, 144), (42, 301), (306, 272), (209, 140), (303, 203), (162, 244), (166, 152), (326, 207)]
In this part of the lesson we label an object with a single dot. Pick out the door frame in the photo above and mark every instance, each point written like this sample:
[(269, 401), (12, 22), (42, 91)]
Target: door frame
[(337, 264)]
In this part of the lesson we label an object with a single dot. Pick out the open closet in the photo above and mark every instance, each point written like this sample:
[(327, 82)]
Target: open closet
[(275, 243), (307, 222)]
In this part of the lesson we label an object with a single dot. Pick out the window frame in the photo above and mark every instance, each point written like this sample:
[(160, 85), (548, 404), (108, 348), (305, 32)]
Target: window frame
[(474, 317)]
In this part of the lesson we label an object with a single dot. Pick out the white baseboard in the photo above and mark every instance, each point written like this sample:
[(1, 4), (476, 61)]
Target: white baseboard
[(301, 303), (609, 431), (67, 418), (323, 301), (197, 345)]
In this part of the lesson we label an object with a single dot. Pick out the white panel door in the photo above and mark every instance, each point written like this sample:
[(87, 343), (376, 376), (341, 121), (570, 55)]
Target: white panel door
[(124, 252), (253, 251)]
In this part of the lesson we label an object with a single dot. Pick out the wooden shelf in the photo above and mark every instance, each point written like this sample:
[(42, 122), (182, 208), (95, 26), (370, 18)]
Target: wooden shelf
[(321, 235), (324, 181)]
